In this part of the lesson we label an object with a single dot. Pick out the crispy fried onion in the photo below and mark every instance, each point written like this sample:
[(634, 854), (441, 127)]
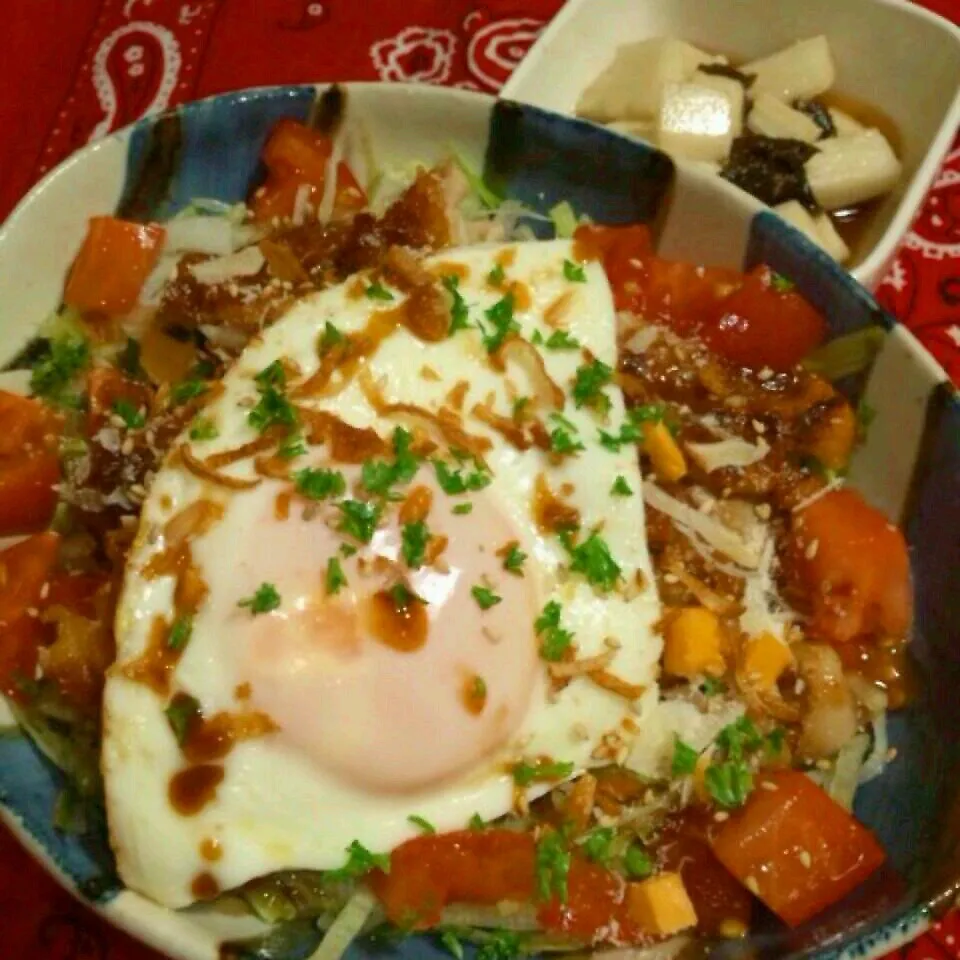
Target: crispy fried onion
[(547, 393), (426, 312), (192, 521), (709, 598), (273, 467), (348, 444), (200, 469), (266, 441), (619, 686)]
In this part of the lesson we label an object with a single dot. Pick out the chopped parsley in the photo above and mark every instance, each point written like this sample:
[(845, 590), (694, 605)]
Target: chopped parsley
[(180, 633), (866, 414), (574, 272), (476, 822), (402, 596), (684, 758), (360, 519), (263, 600), (513, 560), (330, 338), (561, 340), (414, 538), (780, 283), (272, 375), (273, 409), (380, 476), (593, 559), (132, 416), (203, 428), (526, 773), (520, 408), (348, 549), (478, 689), (621, 488), (499, 945), (360, 861), (54, 373), (318, 483), (181, 713), (187, 390), (739, 737), (637, 862), (291, 446), (454, 482), (775, 741), (377, 291), (554, 639), (564, 439), (451, 943), (536, 338), (629, 433), (502, 323), (597, 846), (459, 315), (485, 597), (588, 384), (425, 825), (336, 579), (729, 783), (552, 866), (496, 276), (463, 508)]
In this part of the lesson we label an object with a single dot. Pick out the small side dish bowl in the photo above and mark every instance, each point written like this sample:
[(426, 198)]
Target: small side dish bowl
[(891, 54), (909, 466)]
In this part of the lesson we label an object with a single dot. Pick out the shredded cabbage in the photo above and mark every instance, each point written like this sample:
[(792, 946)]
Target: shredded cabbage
[(846, 355), (564, 219), (348, 925), (487, 197)]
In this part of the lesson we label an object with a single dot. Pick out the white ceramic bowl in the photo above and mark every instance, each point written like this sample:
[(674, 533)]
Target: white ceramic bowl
[(891, 53)]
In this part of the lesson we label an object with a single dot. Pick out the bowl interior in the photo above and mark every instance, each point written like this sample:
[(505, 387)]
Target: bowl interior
[(893, 55), (910, 464)]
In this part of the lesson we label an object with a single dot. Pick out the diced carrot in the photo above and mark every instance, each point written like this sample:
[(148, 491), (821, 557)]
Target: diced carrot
[(664, 453), (763, 658), (693, 643), (114, 261), (24, 569)]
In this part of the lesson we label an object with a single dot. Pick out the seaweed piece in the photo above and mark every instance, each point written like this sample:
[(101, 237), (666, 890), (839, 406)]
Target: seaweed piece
[(725, 70), (817, 111), (771, 169)]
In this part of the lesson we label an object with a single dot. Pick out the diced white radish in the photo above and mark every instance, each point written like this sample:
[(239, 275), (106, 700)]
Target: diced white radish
[(818, 228), (726, 87), (800, 71), (830, 240), (771, 117), (848, 170), (844, 124), (696, 123), (629, 89)]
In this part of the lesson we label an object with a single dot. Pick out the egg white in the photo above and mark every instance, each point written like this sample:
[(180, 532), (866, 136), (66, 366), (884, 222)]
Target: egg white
[(277, 809)]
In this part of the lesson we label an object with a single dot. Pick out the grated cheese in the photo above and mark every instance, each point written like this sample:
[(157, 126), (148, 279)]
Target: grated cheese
[(734, 452)]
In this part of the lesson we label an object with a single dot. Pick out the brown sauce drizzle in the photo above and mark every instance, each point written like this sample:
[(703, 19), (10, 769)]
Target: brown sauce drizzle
[(402, 628), (555, 313), (549, 511), (522, 298), (154, 667), (205, 886), (886, 666), (210, 849), (446, 268), (281, 506), (348, 444), (209, 739), (192, 788), (473, 694), (457, 394)]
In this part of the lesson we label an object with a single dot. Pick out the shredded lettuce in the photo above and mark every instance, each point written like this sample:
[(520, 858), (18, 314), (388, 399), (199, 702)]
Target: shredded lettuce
[(564, 219), (846, 355), (490, 199)]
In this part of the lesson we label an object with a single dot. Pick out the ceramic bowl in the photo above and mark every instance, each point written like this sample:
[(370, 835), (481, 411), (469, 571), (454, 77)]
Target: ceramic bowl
[(891, 53), (910, 465)]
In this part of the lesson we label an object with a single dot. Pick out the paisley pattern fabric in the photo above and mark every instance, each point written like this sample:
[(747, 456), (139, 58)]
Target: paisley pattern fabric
[(101, 64)]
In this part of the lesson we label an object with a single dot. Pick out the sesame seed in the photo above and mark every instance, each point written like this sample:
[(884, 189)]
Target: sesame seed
[(769, 786), (45, 590), (721, 815), (799, 686), (891, 754), (765, 374), (763, 511), (126, 448), (33, 612), (811, 550), (805, 858), (751, 884), (759, 427)]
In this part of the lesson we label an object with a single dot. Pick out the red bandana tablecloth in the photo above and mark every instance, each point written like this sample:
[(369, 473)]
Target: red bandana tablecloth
[(75, 69)]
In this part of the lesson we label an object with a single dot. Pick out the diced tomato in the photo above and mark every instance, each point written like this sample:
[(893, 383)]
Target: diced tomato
[(683, 295), (294, 149), (717, 895), (24, 569), (761, 324), (106, 386), (858, 574), (29, 464), (296, 157), (796, 848), (487, 866), (114, 261)]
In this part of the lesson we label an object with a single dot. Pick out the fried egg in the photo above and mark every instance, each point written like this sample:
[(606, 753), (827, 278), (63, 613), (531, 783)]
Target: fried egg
[(340, 669)]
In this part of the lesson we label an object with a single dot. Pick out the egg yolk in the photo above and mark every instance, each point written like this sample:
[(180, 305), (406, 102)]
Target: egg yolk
[(399, 678)]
